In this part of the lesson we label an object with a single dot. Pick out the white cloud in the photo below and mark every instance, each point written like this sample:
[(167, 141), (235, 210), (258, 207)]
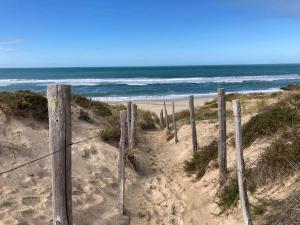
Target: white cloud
[(11, 41), (8, 49)]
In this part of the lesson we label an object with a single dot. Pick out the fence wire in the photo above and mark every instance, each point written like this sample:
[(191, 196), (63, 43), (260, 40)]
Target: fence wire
[(47, 155)]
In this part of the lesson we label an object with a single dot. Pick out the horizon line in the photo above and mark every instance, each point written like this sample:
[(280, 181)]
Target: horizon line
[(187, 65)]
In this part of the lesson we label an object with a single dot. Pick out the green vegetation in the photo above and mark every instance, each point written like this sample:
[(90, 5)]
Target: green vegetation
[(147, 120), (291, 87), (280, 159), (286, 211), (273, 118), (201, 159), (228, 195), (25, 104), (99, 108)]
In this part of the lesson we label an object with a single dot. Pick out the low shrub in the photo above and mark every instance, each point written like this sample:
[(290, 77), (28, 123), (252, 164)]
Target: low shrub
[(291, 87), (99, 108), (111, 132), (147, 120), (280, 159), (272, 119), (228, 194), (201, 159), (24, 104)]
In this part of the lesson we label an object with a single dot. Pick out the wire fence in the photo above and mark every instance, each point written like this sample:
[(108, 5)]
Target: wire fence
[(46, 155)]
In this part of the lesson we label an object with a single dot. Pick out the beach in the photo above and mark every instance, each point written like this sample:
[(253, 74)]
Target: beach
[(158, 191)]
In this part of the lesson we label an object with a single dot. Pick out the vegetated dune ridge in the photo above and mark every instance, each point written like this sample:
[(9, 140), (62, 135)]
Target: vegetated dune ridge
[(26, 192), (160, 192)]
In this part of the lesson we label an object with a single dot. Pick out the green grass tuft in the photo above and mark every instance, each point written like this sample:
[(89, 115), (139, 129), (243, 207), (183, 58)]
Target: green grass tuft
[(201, 159), (25, 104), (228, 195), (99, 108), (147, 120)]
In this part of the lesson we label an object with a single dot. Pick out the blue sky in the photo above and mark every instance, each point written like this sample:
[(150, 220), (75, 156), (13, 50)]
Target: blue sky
[(53, 33)]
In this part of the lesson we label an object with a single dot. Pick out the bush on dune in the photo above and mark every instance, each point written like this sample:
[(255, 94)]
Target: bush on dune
[(25, 104), (201, 159), (147, 120), (99, 108)]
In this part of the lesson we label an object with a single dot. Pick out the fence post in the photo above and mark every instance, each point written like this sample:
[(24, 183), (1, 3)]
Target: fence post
[(133, 125), (161, 121), (193, 123), (121, 191), (167, 119), (60, 137), (174, 123), (240, 162), (222, 136), (128, 121)]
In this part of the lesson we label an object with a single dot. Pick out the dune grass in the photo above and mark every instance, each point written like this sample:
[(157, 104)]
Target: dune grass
[(24, 104), (202, 159)]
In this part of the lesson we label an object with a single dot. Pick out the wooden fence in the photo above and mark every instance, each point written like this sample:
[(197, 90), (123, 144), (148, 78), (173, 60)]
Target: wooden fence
[(60, 143)]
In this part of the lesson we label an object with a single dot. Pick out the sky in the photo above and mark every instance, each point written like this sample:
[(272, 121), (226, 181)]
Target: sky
[(63, 33)]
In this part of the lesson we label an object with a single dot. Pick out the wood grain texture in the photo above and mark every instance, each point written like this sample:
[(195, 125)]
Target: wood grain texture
[(222, 152), (133, 125), (240, 162), (167, 118), (60, 137), (128, 122), (193, 123), (161, 121), (121, 178), (174, 123)]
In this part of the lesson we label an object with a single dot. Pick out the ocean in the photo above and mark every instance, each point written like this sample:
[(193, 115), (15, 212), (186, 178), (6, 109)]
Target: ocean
[(145, 83)]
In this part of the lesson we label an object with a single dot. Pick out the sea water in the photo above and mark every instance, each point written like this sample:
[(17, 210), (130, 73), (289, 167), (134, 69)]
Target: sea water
[(141, 83)]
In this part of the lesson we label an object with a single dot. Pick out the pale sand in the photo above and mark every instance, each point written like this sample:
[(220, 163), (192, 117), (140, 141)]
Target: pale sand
[(157, 105), (161, 193)]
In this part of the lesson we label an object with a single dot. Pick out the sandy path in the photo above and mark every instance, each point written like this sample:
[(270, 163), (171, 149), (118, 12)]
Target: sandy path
[(157, 197)]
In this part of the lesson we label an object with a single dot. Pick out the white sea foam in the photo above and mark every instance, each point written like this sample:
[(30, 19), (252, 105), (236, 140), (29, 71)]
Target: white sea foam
[(147, 81), (174, 96)]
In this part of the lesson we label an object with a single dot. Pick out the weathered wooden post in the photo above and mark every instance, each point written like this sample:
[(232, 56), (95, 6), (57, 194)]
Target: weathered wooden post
[(128, 121), (240, 162), (222, 136), (174, 123), (133, 125), (60, 139), (121, 183), (161, 121), (193, 123), (167, 118)]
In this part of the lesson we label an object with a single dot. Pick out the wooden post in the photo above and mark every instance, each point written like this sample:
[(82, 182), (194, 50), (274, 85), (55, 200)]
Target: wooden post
[(240, 162), (60, 137), (161, 121), (222, 136), (193, 123), (133, 125), (128, 121), (167, 118), (121, 191), (174, 123)]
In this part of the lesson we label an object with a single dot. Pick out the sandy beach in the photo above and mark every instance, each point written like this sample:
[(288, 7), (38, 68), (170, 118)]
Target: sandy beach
[(160, 192)]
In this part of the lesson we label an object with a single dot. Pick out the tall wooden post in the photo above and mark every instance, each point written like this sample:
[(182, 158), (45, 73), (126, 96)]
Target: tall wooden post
[(240, 162), (174, 123), (161, 121), (128, 121), (60, 139), (222, 136), (121, 191), (167, 118), (133, 125), (193, 123)]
